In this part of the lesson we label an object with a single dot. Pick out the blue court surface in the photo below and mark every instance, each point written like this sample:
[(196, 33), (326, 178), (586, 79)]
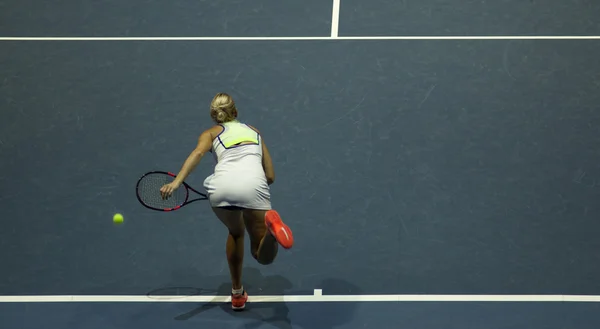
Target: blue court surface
[(438, 161)]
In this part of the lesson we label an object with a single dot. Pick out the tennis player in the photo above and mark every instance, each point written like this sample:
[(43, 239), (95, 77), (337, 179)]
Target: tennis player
[(238, 190)]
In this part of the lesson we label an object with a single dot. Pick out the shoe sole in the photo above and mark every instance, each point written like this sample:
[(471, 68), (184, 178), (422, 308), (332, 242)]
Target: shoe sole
[(283, 233)]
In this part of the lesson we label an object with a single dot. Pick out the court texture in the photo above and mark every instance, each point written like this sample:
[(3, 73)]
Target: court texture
[(438, 161)]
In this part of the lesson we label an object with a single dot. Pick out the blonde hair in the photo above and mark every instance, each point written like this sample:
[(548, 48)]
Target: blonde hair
[(222, 108)]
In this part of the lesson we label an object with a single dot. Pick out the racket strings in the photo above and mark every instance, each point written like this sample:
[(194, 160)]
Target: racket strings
[(149, 192)]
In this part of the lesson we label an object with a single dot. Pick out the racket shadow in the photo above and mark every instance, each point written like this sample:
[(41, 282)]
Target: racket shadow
[(318, 316), (223, 290)]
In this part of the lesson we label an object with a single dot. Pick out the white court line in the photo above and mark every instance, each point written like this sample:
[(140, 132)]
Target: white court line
[(302, 298), (335, 18), (357, 38)]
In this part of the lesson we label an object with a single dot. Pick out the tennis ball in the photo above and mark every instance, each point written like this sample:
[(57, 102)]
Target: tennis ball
[(118, 219)]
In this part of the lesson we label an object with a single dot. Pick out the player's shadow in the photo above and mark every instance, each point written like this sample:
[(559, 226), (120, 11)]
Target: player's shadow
[(310, 315), (256, 284)]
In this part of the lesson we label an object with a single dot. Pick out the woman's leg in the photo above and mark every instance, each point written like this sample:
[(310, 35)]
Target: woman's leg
[(235, 252), (266, 231)]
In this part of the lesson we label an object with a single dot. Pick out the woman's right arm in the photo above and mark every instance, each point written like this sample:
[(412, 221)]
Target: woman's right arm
[(267, 164)]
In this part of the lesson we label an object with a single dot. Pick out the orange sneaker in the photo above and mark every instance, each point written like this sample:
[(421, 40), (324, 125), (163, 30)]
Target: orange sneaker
[(281, 232), (238, 302)]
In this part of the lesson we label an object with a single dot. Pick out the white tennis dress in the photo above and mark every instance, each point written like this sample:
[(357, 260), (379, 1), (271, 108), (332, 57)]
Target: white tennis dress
[(239, 178)]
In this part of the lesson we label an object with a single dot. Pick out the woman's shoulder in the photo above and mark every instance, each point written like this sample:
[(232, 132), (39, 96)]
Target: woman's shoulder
[(252, 127), (214, 131)]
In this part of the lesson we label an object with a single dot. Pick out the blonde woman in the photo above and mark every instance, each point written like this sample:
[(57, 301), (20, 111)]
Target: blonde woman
[(238, 190)]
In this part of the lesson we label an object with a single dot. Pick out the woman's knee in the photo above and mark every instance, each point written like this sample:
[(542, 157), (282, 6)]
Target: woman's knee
[(265, 261), (260, 260)]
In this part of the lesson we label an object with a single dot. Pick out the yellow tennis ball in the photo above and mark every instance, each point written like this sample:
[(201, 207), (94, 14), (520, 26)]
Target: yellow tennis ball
[(118, 219)]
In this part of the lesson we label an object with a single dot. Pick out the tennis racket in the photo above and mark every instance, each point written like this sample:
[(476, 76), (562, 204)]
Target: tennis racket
[(148, 192)]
